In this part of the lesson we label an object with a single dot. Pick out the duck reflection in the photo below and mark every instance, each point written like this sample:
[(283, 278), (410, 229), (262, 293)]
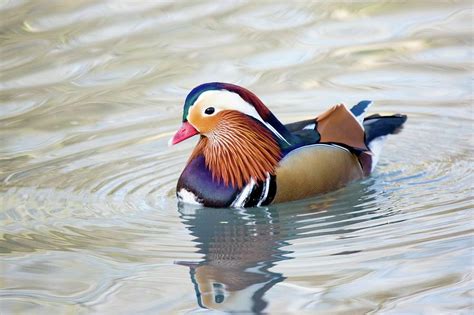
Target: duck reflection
[(240, 247)]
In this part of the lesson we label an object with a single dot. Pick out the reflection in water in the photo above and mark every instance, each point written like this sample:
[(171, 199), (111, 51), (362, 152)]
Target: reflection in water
[(241, 246)]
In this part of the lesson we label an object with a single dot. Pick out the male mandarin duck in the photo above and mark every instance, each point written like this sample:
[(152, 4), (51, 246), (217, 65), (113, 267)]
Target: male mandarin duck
[(246, 157)]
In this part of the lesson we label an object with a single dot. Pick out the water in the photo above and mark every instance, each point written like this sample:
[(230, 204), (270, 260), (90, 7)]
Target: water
[(92, 91)]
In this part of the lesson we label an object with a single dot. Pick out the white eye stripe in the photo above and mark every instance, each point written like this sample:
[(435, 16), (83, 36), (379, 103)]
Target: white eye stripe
[(232, 101)]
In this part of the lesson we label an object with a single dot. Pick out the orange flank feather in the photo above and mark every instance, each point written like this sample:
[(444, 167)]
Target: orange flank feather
[(338, 125), (237, 148)]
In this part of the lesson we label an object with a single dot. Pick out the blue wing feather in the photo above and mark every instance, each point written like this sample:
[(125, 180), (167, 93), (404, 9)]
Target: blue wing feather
[(360, 109)]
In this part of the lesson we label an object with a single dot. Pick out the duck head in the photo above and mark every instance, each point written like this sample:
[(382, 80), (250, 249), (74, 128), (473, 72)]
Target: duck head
[(206, 101), (240, 138)]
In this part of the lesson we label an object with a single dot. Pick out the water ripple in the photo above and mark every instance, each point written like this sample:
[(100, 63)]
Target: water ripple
[(91, 92)]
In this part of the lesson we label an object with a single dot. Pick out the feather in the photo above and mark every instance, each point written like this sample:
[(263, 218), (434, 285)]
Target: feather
[(360, 110), (237, 149), (338, 125)]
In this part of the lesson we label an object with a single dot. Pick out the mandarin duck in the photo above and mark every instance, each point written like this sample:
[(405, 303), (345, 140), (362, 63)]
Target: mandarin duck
[(246, 157)]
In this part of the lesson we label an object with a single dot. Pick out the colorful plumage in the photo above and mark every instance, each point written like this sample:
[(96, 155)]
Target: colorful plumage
[(247, 157)]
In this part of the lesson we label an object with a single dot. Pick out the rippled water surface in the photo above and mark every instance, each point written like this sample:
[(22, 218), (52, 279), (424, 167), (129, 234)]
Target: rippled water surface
[(91, 91)]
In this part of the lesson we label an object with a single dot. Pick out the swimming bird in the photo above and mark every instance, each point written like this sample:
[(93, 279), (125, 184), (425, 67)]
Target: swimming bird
[(246, 157)]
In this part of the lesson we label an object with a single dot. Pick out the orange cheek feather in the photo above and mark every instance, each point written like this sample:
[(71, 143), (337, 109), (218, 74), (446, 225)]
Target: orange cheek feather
[(240, 148), (203, 124)]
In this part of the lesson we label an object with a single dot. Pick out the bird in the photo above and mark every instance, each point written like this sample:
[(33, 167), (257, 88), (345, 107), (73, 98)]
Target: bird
[(246, 157)]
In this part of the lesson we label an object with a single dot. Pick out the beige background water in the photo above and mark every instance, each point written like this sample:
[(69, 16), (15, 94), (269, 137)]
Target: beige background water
[(92, 90)]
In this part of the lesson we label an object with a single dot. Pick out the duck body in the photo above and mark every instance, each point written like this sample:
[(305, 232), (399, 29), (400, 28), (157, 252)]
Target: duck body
[(246, 157)]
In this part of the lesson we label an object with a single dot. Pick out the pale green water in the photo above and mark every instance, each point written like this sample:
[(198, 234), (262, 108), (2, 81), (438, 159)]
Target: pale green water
[(92, 91)]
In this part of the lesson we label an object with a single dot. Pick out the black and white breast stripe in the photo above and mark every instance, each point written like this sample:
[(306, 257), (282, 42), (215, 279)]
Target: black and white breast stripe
[(256, 194)]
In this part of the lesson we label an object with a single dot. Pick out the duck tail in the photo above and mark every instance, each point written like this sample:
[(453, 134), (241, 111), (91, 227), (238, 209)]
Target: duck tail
[(377, 128)]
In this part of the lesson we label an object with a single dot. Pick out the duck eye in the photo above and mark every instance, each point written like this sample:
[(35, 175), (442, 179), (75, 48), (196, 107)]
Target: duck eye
[(209, 110)]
